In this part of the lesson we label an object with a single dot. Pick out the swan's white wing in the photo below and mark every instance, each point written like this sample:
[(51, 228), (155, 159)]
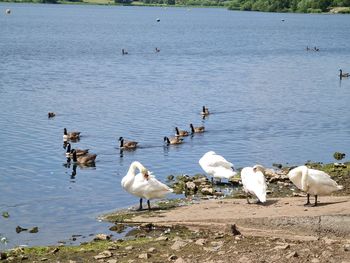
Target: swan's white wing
[(321, 178), (211, 160), (222, 172), (254, 183), (155, 189)]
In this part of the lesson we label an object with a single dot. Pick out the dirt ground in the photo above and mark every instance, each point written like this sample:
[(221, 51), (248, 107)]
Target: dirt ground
[(219, 230)]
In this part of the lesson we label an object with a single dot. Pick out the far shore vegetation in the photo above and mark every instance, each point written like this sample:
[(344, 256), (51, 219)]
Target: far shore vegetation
[(297, 6)]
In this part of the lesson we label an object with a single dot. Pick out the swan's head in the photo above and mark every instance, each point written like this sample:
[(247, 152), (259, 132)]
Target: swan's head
[(210, 153), (258, 167), (145, 173)]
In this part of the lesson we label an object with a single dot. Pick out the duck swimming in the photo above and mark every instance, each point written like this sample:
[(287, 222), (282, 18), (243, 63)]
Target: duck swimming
[(79, 152), (181, 133), (86, 159), (74, 135), (199, 129), (127, 144), (173, 140)]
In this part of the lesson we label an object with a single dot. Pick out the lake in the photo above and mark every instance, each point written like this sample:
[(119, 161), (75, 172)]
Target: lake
[(271, 101)]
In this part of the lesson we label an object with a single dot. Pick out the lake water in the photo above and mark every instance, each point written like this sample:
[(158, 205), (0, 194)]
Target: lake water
[(272, 101)]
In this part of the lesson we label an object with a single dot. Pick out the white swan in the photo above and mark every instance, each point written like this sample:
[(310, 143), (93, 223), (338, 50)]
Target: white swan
[(254, 182), (313, 182), (217, 166), (143, 184)]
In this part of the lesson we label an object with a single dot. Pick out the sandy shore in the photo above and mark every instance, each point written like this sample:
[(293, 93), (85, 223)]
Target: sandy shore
[(286, 216)]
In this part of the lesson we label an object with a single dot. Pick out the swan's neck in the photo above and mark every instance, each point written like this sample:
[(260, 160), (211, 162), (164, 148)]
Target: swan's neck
[(304, 177), (135, 166)]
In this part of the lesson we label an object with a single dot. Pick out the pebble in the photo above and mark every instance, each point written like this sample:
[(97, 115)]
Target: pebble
[(162, 238), (286, 246), (180, 260), (102, 237), (200, 242), (144, 256), (244, 259), (293, 254), (178, 245), (172, 257), (129, 248), (112, 261), (103, 255), (152, 250), (347, 247)]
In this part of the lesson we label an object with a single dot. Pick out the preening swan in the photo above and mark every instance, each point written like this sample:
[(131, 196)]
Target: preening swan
[(254, 182), (313, 182), (143, 184), (217, 166)]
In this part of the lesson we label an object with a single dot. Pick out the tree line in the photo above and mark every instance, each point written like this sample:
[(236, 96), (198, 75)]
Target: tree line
[(304, 6)]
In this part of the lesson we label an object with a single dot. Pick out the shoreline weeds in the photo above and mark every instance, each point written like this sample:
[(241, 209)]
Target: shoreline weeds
[(218, 230)]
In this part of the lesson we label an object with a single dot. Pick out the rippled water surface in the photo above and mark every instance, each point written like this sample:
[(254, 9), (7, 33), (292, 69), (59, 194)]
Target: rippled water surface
[(272, 101)]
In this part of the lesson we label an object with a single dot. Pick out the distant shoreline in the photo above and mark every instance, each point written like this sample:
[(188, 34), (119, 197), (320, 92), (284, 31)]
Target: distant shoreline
[(335, 10)]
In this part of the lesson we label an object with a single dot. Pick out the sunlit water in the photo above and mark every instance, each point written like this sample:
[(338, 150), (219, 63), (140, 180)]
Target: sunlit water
[(272, 101)]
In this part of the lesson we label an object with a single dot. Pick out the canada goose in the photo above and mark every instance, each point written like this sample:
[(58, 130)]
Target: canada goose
[(254, 182), (143, 184), (181, 133), (124, 52), (205, 111), (70, 135), (84, 159), (200, 129), (173, 140), (313, 182), (217, 166), (51, 115), (127, 144), (343, 75), (79, 152)]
